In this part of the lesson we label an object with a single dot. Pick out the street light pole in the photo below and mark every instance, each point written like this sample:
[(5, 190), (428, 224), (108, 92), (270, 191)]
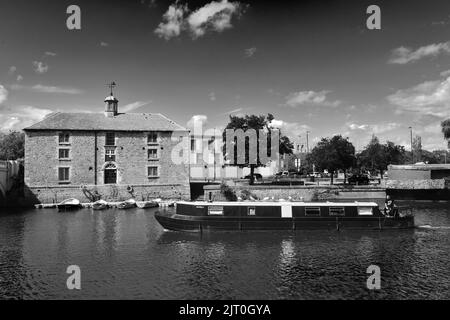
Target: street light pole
[(307, 141), (412, 152)]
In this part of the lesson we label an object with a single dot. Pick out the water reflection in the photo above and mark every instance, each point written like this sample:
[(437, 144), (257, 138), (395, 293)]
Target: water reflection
[(126, 254)]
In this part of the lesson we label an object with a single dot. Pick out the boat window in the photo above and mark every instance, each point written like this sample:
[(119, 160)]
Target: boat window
[(312, 211), (251, 211), (365, 211), (337, 211), (215, 210)]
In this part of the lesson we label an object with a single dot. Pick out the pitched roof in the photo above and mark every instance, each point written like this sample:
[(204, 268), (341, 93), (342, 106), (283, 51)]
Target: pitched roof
[(98, 121)]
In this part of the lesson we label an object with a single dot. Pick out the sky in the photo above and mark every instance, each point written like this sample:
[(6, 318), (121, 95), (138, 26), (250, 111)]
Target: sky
[(315, 66)]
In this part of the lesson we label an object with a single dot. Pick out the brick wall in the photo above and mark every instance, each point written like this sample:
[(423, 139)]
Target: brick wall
[(42, 162)]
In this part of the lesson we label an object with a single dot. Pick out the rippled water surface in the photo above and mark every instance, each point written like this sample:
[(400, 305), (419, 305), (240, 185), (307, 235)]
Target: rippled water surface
[(127, 254)]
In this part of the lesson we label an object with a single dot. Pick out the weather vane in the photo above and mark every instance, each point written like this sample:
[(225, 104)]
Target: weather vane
[(111, 86)]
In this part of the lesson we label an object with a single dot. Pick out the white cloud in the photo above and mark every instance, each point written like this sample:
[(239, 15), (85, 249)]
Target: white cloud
[(197, 120), (214, 16), (53, 89), (374, 128), (430, 97), (50, 54), (3, 94), (290, 129), (445, 73), (133, 106), (20, 117), (47, 89), (40, 67), (354, 126), (250, 52), (172, 22), (300, 98), (12, 70), (404, 55)]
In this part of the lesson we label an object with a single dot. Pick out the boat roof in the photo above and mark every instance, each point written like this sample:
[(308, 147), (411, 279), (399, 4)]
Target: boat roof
[(281, 203)]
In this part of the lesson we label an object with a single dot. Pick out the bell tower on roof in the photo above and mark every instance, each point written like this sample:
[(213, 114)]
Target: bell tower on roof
[(111, 103)]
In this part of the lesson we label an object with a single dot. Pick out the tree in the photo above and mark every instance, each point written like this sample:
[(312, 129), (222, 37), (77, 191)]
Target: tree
[(446, 130), (430, 157), (12, 145), (333, 154), (257, 123), (373, 157), (376, 156), (395, 154), (417, 149)]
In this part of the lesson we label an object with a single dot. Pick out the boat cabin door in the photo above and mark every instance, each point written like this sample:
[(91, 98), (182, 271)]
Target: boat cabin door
[(286, 211)]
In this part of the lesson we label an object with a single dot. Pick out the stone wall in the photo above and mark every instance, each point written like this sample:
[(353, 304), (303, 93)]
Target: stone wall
[(424, 184), (107, 192)]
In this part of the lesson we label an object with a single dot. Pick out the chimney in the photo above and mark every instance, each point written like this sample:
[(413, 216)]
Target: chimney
[(111, 106)]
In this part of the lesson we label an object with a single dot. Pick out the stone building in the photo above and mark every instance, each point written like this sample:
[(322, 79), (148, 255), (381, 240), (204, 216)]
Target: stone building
[(111, 154)]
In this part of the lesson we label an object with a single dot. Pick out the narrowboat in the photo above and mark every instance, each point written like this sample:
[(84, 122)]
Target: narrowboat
[(283, 215), (69, 204)]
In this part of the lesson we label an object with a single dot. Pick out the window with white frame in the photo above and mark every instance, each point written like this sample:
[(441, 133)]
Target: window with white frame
[(312, 211), (64, 138), (152, 154), (365, 211), (337, 211), (63, 174), (152, 137), (110, 139), (110, 154), (152, 171), (63, 154)]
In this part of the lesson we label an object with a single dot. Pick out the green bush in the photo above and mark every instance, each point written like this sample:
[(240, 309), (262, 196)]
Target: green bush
[(227, 192)]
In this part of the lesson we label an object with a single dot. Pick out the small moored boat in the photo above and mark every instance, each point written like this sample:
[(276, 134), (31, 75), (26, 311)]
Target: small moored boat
[(100, 205), (127, 204), (284, 215), (69, 204), (146, 204)]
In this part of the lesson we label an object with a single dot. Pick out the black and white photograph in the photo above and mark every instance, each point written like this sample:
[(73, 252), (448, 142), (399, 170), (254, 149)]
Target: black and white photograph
[(250, 152)]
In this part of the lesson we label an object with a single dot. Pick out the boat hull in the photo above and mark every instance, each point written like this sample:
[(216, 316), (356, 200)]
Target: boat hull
[(173, 221)]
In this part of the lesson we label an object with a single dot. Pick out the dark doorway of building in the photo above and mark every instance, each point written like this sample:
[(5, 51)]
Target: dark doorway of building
[(110, 174)]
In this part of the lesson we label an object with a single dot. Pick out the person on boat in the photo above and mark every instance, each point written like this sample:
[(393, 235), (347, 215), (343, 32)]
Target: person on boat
[(389, 207)]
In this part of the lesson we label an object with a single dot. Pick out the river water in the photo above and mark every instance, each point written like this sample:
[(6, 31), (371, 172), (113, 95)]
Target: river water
[(127, 254)]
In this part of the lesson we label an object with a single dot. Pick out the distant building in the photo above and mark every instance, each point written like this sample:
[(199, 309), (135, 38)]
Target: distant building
[(117, 155), (207, 162), (419, 172), (419, 181)]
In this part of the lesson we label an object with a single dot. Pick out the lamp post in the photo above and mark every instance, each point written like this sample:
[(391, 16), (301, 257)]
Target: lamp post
[(412, 151), (307, 141)]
